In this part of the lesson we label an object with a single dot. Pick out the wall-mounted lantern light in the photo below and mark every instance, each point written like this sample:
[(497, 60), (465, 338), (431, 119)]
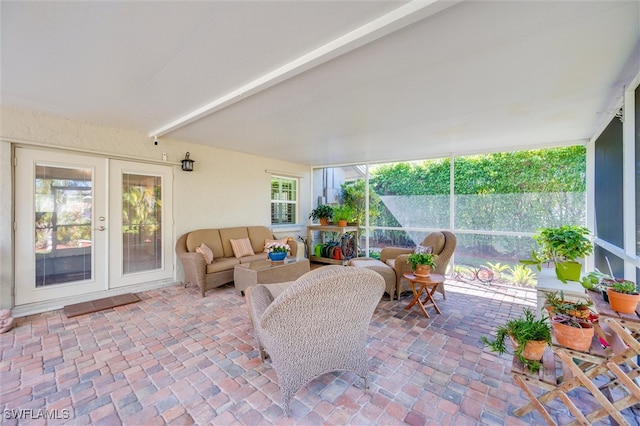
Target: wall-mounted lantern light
[(187, 163)]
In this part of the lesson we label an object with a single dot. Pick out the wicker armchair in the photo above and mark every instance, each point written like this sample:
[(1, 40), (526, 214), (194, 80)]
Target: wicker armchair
[(317, 325), (443, 244)]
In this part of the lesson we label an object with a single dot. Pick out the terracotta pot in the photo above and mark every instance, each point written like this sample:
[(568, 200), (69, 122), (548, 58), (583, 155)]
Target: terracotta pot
[(575, 338), (621, 302), (342, 223), (533, 349), (422, 271), (324, 222)]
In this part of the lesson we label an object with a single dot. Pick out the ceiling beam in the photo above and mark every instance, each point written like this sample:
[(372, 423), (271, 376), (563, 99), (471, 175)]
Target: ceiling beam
[(398, 18)]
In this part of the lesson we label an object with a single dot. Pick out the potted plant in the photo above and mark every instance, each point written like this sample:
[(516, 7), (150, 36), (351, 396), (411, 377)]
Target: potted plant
[(556, 304), (592, 280), (343, 214), (422, 263), (563, 245), (278, 251), (571, 321), (529, 337), (623, 296), (323, 212), (572, 332)]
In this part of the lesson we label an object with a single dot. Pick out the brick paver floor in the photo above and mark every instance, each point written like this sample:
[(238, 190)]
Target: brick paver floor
[(178, 358)]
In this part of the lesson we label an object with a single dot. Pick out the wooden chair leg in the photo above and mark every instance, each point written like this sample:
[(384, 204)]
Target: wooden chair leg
[(533, 404)]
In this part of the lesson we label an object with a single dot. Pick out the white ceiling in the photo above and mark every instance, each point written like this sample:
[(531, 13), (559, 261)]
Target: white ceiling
[(413, 79)]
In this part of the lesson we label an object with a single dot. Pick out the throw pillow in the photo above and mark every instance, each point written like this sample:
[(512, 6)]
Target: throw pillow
[(423, 249), (282, 241), (206, 252), (241, 247)]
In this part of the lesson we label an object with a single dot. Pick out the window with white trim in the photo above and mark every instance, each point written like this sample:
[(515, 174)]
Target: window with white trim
[(284, 200)]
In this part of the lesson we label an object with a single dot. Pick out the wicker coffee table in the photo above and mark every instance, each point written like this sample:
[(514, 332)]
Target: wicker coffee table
[(246, 275)]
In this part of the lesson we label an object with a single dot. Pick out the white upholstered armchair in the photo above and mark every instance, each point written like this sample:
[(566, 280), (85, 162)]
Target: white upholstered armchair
[(317, 325)]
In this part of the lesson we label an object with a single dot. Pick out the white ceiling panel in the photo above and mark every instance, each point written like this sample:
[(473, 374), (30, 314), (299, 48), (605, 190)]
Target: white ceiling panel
[(454, 77)]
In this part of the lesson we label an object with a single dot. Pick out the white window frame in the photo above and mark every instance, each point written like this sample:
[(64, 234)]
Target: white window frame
[(294, 202)]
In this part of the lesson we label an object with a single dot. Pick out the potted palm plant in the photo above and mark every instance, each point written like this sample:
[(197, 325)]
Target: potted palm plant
[(422, 263), (529, 336), (323, 212), (623, 296), (563, 245)]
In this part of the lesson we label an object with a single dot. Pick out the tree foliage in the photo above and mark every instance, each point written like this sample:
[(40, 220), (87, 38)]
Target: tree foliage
[(510, 191), (354, 195), (540, 170)]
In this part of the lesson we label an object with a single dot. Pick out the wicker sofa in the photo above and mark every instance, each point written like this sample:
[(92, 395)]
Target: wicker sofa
[(220, 271)]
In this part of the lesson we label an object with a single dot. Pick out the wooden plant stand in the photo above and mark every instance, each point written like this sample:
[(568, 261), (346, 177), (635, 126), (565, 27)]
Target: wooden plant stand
[(563, 370)]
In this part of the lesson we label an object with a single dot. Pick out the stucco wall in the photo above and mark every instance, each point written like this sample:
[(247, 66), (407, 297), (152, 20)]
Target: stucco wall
[(226, 188)]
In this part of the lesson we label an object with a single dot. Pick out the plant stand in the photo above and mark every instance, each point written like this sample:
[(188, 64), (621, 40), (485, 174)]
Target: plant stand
[(564, 370), (338, 230)]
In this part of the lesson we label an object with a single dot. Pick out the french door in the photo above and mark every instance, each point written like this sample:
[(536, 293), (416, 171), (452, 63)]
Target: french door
[(141, 246), (86, 224)]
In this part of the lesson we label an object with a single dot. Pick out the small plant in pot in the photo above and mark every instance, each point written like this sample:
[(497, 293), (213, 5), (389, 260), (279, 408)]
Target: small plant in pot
[(277, 251), (592, 280), (571, 321), (623, 296), (422, 263), (529, 336), (573, 332), (556, 304), (343, 214), (323, 212), (563, 245)]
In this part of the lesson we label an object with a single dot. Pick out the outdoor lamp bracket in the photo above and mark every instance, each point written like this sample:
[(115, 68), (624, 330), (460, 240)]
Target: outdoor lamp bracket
[(187, 163)]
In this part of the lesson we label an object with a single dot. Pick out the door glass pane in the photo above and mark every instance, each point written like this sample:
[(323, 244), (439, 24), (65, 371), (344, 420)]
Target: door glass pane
[(63, 239), (141, 223)]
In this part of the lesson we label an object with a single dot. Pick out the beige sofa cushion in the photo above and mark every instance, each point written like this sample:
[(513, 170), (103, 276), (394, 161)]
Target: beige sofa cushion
[(211, 237), (435, 240), (254, 258), (222, 264), (258, 235), (235, 233)]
